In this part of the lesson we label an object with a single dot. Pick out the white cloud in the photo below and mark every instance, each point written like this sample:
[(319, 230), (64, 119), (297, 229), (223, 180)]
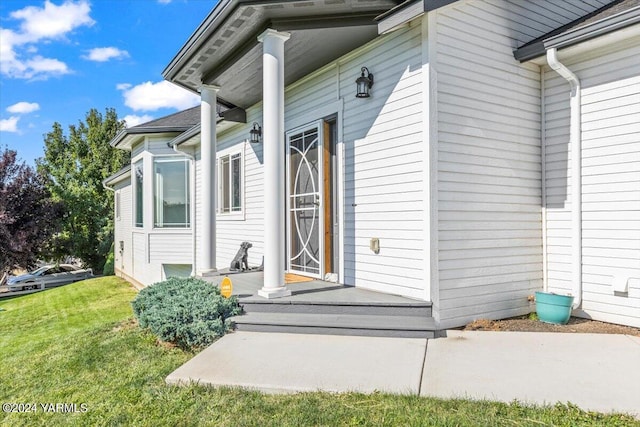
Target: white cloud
[(10, 124), (42, 68), (23, 107), (153, 96), (164, 1), (123, 86), (52, 21), (40, 24), (103, 54), (133, 120)]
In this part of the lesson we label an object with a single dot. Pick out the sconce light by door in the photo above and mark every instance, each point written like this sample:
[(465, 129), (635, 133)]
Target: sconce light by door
[(255, 134), (364, 83)]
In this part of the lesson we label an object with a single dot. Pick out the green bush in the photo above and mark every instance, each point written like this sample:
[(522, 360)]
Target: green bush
[(109, 265), (186, 311)]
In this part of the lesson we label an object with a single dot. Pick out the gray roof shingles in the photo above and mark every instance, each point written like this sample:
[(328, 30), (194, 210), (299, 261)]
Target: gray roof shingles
[(186, 118)]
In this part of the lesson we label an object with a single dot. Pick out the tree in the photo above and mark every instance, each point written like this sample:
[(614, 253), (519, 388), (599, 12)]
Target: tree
[(76, 165), (28, 215)]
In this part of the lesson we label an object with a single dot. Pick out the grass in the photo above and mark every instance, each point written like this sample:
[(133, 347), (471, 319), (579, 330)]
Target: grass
[(78, 344)]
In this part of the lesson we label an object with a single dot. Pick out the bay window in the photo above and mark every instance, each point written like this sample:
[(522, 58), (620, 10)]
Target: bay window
[(171, 192)]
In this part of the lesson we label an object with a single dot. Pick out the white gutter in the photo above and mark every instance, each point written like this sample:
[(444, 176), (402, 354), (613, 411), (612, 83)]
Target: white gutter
[(575, 138), (192, 211)]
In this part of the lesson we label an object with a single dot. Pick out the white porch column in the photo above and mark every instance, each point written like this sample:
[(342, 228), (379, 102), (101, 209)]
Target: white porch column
[(208, 114), (273, 146)]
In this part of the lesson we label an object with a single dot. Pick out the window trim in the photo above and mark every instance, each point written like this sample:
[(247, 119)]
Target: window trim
[(188, 187), (239, 215)]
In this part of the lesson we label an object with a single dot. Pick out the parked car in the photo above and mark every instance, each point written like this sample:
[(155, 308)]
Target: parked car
[(48, 276)]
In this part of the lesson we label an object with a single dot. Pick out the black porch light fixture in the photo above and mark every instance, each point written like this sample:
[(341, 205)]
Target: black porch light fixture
[(255, 133), (364, 83)]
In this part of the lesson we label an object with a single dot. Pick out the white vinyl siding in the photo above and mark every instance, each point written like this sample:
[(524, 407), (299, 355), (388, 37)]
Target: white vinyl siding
[(383, 167), (169, 247), (139, 254), (248, 225), (123, 226), (158, 144), (610, 80), (137, 149), (489, 165)]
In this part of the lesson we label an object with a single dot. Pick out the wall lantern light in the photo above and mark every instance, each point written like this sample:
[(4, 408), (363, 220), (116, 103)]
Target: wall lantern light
[(364, 83), (255, 134)]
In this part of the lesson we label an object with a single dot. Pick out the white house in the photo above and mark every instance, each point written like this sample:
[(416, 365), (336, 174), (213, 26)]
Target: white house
[(451, 180)]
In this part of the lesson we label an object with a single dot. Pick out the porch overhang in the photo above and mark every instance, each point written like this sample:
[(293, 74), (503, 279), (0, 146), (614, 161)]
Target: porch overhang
[(224, 51)]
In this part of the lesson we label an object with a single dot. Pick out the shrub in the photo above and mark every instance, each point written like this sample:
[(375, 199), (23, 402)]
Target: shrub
[(109, 265), (186, 311)]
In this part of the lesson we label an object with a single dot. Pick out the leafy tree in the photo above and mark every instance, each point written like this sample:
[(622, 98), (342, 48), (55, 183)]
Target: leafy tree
[(76, 165), (28, 215)]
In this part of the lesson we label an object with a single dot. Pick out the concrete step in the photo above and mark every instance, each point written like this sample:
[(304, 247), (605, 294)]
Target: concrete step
[(417, 309), (337, 324)]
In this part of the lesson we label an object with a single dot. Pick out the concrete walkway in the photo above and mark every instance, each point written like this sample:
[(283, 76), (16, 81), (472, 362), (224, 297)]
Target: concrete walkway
[(595, 372)]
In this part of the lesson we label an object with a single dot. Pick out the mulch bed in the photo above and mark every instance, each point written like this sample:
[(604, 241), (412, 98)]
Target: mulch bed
[(575, 325)]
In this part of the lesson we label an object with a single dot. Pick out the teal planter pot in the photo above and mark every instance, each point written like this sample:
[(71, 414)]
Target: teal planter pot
[(553, 308)]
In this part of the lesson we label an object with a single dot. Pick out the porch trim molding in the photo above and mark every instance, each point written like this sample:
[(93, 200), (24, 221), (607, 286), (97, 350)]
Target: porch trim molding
[(273, 149)]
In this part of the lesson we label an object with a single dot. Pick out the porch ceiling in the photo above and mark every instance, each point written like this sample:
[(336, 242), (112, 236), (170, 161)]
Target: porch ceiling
[(224, 50)]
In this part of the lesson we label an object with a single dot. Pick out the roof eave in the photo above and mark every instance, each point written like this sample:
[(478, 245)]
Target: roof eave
[(126, 137), (122, 174), (194, 131), (185, 136), (223, 8), (596, 29), (581, 34)]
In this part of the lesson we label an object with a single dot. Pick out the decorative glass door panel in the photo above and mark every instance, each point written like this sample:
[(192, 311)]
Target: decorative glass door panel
[(304, 201)]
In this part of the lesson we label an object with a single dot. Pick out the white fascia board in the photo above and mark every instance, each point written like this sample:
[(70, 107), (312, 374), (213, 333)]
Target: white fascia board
[(596, 29)]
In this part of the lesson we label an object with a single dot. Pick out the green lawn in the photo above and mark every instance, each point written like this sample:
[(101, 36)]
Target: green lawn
[(77, 344)]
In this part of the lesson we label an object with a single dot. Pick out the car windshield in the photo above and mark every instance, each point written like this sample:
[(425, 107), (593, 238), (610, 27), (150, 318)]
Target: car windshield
[(39, 271)]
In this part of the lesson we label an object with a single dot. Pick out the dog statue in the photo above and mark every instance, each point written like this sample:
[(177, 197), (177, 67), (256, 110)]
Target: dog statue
[(240, 262)]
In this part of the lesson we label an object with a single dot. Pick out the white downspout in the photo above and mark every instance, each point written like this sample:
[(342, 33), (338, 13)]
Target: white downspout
[(575, 138), (543, 170), (192, 211)]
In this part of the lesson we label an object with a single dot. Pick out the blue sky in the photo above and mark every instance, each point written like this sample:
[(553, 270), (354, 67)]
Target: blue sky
[(60, 58)]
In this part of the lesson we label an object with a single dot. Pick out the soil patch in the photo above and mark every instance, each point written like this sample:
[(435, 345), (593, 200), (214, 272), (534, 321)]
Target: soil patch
[(575, 325)]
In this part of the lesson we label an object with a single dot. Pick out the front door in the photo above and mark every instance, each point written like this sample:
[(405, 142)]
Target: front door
[(305, 200)]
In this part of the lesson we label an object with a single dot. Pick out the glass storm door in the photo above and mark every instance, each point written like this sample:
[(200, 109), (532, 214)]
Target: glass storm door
[(305, 223)]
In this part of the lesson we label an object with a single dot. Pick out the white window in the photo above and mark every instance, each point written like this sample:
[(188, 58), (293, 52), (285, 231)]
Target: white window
[(138, 171), (171, 192), (230, 184)]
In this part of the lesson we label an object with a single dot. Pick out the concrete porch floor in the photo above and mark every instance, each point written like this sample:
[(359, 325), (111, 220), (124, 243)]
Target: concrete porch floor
[(247, 284)]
